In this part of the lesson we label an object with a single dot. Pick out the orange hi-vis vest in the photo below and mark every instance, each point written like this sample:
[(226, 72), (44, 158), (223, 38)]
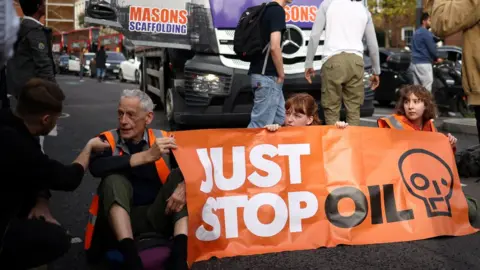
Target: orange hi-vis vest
[(112, 138), (396, 121)]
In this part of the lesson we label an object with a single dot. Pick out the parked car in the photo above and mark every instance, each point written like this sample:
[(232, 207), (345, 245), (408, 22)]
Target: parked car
[(130, 70), (74, 64), (61, 63), (113, 65), (447, 87)]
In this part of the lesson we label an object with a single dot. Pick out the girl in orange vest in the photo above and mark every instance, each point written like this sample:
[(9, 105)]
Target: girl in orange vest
[(301, 110), (415, 110)]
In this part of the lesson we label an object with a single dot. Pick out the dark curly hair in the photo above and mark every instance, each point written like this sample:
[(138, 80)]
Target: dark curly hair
[(421, 93)]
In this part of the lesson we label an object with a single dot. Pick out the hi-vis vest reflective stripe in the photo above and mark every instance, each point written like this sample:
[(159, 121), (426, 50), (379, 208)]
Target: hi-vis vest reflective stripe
[(395, 122), (112, 138)]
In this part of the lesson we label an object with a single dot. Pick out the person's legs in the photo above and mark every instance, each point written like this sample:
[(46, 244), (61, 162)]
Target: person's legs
[(424, 75), (32, 243), (265, 103), (99, 74), (116, 194), (81, 72), (332, 76), (477, 117), (413, 72), (103, 73), (176, 223), (353, 92)]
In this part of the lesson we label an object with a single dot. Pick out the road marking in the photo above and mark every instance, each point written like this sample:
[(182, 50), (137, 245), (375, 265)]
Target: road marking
[(64, 115), (463, 185), (76, 240), (72, 82)]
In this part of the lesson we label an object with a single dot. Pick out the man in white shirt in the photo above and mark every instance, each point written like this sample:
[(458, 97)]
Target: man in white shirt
[(342, 73)]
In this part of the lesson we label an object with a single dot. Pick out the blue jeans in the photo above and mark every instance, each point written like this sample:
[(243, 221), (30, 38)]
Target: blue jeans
[(269, 103), (100, 73)]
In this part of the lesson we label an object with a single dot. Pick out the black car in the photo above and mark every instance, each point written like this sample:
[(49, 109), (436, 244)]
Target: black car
[(113, 64), (394, 64)]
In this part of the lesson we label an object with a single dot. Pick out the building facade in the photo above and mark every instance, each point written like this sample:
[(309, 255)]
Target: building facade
[(59, 14), (79, 12), (401, 30)]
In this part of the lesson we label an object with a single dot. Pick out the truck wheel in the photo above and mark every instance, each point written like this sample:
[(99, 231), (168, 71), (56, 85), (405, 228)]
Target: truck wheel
[(169, 109)]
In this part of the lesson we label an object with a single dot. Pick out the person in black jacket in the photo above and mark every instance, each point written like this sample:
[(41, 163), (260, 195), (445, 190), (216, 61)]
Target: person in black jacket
[(27, 238), (33, 56), (101, 63)]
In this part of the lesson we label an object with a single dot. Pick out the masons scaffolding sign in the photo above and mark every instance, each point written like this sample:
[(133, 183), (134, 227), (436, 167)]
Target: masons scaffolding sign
[(158, 20)]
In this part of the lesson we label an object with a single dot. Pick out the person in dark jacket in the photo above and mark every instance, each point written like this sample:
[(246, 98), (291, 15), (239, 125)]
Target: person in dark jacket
[(28, 237), (101, 62), (33, 57)]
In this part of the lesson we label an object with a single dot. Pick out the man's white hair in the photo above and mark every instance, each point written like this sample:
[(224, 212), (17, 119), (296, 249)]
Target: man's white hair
[(146, 102)]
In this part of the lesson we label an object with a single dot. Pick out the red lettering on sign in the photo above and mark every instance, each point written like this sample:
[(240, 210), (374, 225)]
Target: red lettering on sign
[(135, 13), (300, 13)]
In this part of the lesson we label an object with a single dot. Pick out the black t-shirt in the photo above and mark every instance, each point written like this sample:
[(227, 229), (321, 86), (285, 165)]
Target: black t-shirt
[(273, 21)]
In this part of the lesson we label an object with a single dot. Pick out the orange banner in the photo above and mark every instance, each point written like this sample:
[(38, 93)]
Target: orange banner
[(250, 191)]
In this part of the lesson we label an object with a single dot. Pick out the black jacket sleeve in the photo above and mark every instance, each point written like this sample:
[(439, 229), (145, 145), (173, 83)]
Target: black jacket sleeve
[(38, 43), (44, 172), (103, 163)]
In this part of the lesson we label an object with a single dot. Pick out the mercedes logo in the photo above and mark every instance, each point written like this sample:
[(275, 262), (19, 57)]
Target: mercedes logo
[(292, 39)]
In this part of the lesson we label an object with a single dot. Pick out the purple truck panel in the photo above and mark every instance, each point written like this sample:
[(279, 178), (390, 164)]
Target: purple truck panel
[(225, 13)]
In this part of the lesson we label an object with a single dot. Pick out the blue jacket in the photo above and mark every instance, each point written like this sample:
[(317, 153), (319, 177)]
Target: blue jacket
[(424, 49)]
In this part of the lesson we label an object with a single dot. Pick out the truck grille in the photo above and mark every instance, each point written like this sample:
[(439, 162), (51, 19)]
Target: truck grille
[(196, 99), (199, 90)]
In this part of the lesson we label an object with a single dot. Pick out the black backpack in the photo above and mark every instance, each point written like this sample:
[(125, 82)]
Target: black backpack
[(468, 162), (248, 41)]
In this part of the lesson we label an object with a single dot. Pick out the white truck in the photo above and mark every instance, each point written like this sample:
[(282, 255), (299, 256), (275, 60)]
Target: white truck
[(188, 63)]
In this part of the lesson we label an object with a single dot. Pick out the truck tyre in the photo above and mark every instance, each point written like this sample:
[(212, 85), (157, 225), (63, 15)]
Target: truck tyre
[(169, 107)]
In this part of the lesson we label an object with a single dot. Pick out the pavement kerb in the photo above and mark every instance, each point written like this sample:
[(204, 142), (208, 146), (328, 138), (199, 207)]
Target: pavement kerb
[(453, 125)]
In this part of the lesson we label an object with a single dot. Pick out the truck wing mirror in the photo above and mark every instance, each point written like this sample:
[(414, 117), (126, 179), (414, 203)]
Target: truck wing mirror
[(102, 11)]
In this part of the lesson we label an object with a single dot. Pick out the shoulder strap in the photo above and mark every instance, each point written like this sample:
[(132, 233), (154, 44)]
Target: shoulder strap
[(391, 122)]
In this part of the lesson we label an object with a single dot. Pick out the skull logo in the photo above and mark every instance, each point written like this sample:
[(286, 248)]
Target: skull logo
[(428, 178)]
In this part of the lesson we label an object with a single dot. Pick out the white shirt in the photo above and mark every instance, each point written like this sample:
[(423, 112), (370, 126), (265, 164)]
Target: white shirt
[(347, 22)]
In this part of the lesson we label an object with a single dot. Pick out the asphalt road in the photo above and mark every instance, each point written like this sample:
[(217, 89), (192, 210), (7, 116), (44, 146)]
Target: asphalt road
[(90, 108)]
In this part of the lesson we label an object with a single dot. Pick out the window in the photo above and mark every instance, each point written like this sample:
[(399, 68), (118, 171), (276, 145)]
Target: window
[(407, 34)]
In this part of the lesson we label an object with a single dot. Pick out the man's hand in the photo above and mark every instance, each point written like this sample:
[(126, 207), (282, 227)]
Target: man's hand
[(177, 201), (97, 145), (309, 74), (280, 79), (439, 61), (374, 82), (41, 211), (160, 147)]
